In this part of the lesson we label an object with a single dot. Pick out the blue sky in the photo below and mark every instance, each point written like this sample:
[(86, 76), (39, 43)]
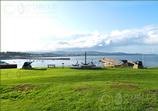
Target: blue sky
[(107, 16), (116, 26)]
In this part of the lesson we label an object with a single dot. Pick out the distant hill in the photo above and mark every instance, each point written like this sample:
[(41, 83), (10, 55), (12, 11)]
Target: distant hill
[(27, 55)]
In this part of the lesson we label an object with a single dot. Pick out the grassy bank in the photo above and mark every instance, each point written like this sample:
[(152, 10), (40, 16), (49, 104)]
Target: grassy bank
[(79, 90)]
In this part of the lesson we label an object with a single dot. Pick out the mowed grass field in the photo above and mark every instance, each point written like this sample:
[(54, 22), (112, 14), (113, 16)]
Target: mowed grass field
[(58, 89)]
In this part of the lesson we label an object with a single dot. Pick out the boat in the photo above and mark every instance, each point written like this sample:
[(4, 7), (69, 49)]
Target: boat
[(84, 65)]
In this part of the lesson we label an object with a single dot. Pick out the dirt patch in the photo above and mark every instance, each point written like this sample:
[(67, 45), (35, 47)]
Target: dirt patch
[(24, 87), (152, 91), (150, 109), (126, 86), (83, 88)]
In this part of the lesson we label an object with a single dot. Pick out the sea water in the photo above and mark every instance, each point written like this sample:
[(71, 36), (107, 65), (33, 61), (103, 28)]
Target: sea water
[(148, 60)]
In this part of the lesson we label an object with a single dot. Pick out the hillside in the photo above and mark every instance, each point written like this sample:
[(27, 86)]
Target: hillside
[(79, 90), (29, 55)]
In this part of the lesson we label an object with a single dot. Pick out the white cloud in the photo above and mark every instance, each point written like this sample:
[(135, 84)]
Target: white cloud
[(152, 36), (26, 28), (147, 35)]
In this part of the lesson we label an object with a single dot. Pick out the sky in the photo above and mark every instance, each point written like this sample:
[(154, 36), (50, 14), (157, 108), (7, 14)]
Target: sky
[(109, 26)]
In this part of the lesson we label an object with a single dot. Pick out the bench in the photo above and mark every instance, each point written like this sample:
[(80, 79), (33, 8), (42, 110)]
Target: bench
[(51, 65)]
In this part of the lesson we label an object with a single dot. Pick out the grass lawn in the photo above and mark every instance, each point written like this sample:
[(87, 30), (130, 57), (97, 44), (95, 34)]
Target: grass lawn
[(79, 90)]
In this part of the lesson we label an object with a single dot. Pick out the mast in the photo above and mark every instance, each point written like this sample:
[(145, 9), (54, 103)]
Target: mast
[(85, 58)]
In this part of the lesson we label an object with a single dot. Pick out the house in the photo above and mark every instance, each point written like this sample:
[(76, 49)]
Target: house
[(127, 63), (138, 65)]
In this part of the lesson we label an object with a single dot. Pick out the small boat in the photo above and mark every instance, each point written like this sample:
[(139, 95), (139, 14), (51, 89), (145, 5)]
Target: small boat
[(84, 65)]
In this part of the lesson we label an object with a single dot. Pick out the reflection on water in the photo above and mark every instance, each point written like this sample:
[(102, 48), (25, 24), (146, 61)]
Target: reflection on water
[(148, 60)]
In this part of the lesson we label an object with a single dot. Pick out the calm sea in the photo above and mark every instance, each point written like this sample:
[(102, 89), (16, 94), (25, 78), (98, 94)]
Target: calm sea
[(148, 60)]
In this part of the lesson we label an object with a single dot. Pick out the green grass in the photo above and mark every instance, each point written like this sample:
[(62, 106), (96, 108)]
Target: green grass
[(79, 90)]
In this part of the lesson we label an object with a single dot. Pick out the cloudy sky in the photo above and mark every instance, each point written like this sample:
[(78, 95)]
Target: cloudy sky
[(75, 25)]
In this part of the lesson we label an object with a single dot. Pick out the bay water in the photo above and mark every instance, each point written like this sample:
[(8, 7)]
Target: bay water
[(148, 60)]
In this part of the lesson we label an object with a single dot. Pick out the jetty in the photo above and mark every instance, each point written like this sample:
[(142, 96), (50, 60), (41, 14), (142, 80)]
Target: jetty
[(109, 62)]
